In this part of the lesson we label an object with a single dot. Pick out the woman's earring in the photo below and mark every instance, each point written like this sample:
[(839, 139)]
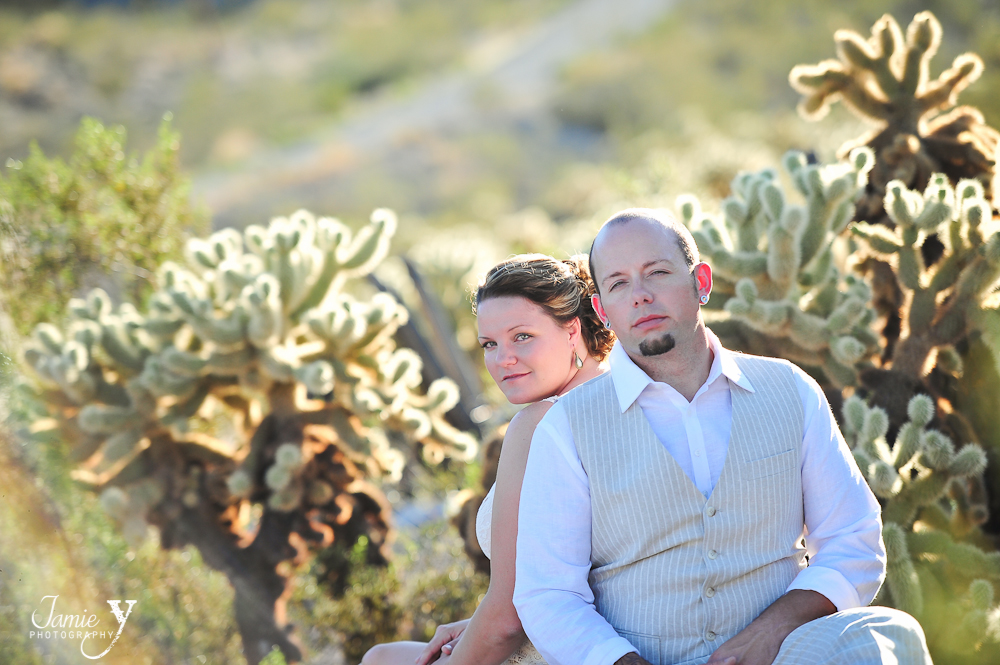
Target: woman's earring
[(704, 299), (578, 361), (607, 324)]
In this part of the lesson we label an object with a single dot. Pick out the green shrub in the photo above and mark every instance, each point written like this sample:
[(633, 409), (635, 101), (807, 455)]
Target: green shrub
[(429, 582), (102, 217)]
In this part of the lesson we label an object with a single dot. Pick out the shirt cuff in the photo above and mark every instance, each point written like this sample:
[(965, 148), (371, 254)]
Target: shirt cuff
[(829, 582), (608, 653)]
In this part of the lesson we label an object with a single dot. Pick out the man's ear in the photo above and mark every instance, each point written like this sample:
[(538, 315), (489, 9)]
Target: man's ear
[(595, 301), (703, 279)]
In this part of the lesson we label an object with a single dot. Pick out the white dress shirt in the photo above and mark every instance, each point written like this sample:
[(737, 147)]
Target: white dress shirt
[(843, 527)]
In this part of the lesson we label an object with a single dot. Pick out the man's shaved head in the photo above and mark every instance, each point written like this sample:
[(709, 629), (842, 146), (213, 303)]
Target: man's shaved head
[(659, 217)]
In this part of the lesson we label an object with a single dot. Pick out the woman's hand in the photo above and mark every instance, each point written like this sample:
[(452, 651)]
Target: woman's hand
[(443, 643)]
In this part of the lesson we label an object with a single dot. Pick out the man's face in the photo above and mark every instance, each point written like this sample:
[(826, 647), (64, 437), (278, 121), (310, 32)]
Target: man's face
[(647, 292)]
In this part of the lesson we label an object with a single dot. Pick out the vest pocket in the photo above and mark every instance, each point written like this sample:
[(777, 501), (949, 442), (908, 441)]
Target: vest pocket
[(647, 645), (769, 466)]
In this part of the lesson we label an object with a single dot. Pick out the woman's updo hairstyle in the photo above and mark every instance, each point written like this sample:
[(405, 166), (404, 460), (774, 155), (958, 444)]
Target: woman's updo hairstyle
[(561, 288)]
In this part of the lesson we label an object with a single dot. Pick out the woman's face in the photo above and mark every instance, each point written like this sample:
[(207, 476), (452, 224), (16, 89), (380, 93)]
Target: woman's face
[(527, 352)]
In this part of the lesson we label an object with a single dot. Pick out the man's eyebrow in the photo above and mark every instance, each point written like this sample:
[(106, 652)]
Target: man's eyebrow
[(645, 265)]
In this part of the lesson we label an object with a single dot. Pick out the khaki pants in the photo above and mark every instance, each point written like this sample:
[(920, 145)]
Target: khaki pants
[(862, 636)]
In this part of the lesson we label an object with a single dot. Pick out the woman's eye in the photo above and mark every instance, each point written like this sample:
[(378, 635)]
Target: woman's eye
[(488, 345), (520, 337), (614, 286)]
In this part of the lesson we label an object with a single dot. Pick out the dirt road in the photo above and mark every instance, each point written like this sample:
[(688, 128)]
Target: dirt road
[(505, 84)]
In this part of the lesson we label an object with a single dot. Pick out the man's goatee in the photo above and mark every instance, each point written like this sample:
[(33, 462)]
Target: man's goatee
[(656, 347)]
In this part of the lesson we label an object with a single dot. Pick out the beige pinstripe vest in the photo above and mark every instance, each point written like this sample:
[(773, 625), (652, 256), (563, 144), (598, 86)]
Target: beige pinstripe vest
[(675, 574)]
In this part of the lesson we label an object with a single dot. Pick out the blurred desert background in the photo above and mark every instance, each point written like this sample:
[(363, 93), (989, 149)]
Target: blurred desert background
[(488, 126)]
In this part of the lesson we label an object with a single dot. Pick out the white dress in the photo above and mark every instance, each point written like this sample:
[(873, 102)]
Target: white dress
[(526, 654)]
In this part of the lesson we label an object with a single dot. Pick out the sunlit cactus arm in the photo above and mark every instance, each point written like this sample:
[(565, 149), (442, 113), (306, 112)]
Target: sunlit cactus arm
[(330, 235), (227, 330), (162, 382), (734, 265), (829, 196), (901, 577), (371, 243), (930, 454), (209, 254), (122, 444), (966, 69), (783, 251), (884, 242), (180, 413), (821, 85), (448, 441), (858, 57), (918, 130), (970, 268), (120, 346), (380, 320), (262, 303)]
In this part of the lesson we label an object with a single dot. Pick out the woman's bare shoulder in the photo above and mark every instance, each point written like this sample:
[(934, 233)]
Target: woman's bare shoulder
[(523, 424)]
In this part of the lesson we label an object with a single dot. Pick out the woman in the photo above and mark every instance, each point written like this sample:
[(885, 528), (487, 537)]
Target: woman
[(540, 338)]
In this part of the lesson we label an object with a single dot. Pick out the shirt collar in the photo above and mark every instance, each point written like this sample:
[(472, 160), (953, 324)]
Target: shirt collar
[(630, 380)]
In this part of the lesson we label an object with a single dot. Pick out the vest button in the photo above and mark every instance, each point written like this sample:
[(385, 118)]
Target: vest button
[(709, 592), (711, 511), (712, 554), (710, 636)]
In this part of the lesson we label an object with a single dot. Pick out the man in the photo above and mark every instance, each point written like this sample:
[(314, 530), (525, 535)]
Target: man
[(664, 503)]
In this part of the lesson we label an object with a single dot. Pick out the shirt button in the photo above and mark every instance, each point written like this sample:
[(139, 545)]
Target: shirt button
[(709, 592), (697, 453), (710, 636), (712, 554), (711, 511)]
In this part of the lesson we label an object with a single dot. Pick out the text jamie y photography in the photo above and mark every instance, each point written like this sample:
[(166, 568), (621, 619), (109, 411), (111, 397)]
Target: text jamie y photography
[(84, 627)]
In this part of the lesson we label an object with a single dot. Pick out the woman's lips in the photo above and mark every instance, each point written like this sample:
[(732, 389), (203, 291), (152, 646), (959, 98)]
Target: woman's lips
[(513, 377)]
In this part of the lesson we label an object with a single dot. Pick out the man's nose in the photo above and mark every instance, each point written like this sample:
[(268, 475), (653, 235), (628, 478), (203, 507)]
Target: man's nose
[(640, 294)]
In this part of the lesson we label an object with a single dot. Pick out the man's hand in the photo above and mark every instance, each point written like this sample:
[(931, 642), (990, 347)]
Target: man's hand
[(759, 643), (632, 658)]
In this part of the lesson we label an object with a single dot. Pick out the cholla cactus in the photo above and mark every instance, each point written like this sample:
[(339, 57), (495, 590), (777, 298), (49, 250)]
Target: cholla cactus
[(886, 80), (967, 272), (932, 499), (258, 325), (934, 275), (920, 467), (775, 269)]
